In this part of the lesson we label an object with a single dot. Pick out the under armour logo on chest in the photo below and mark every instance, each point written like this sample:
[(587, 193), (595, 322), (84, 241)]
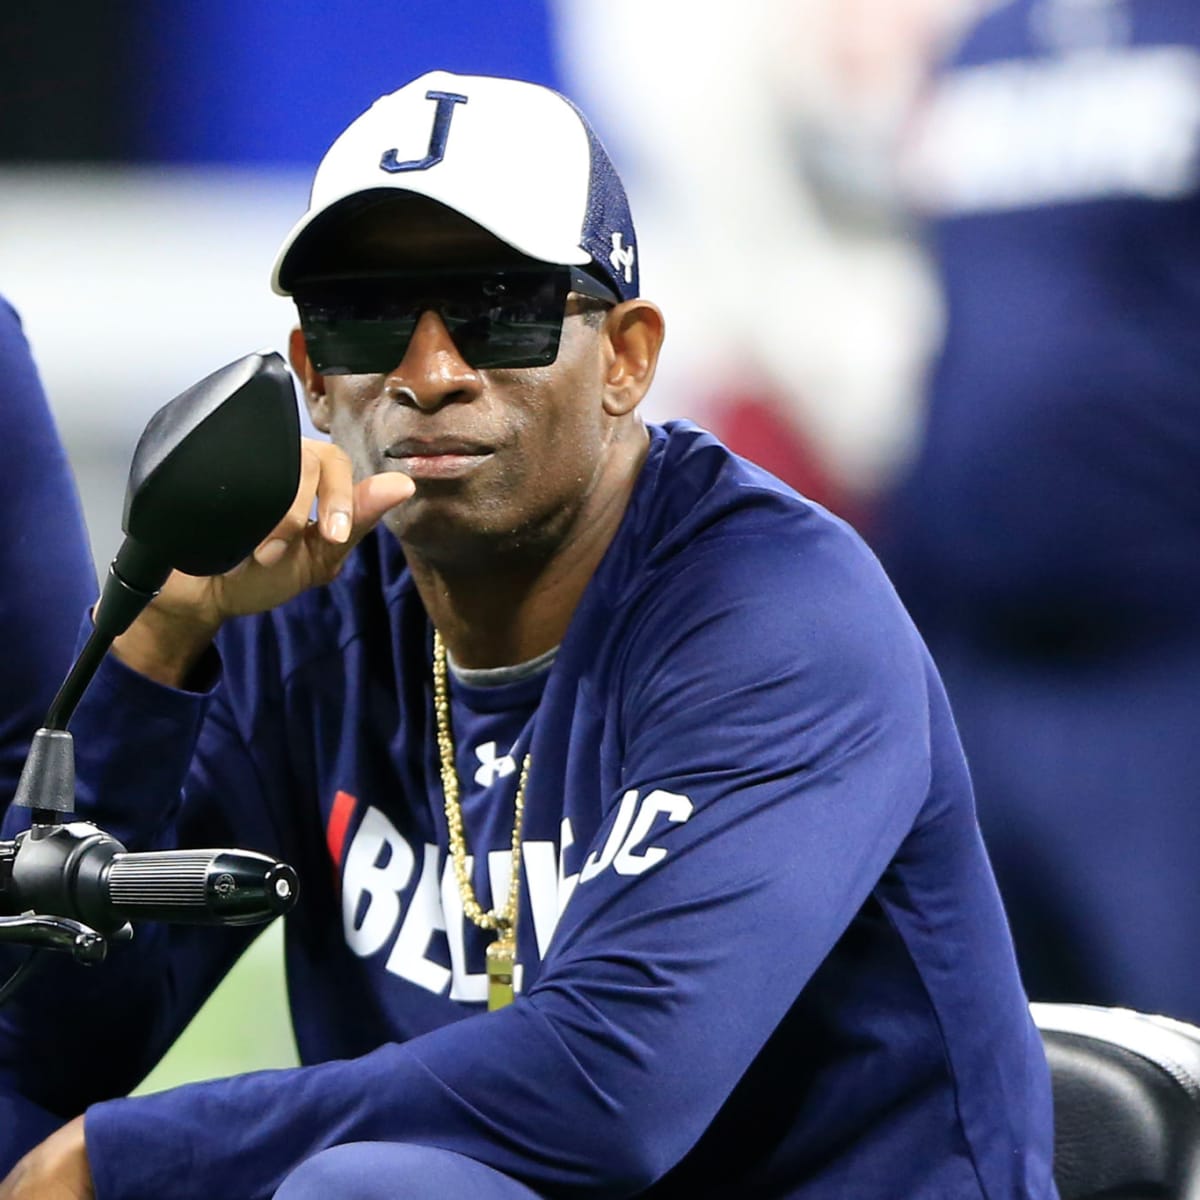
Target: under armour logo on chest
[(491, 765)]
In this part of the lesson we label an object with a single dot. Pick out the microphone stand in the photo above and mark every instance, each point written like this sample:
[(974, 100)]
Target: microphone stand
[(214, 472)]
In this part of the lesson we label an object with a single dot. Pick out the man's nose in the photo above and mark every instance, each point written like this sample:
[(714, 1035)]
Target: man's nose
[(432, 368)]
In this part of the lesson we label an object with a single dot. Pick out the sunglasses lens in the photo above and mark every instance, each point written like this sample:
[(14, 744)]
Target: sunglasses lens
[(349, 346), (499, 320), (496, 341)]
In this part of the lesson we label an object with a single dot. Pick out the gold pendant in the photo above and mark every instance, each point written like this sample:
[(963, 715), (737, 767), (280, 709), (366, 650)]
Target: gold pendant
[(501, 961)]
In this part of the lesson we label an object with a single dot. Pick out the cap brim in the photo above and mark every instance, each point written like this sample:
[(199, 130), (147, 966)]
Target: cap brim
[(302, 234)]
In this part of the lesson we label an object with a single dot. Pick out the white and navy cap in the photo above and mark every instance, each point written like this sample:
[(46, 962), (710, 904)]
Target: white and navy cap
[(518, 159)]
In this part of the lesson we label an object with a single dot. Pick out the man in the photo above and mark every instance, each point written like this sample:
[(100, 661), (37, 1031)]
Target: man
[(1044, 534), (46, 577), (637, 847)]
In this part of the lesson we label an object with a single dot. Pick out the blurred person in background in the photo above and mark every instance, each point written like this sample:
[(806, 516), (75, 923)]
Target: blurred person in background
[(46, 572), (1046, 536), (760, 140)]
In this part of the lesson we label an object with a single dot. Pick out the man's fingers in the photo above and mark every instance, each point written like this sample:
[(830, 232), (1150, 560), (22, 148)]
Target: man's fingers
[(327, 476), (345, 511), (275, 545), (373, 497), (376, 495), (335, 495)]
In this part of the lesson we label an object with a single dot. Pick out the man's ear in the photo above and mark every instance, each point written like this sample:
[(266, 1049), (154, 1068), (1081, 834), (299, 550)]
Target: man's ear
[(314, 384), (634, 330)]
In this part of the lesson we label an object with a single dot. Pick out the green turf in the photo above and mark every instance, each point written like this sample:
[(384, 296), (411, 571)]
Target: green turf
[(244, 1026)]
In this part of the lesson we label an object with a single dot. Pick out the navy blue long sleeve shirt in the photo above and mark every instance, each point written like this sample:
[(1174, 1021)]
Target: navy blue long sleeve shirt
[(760, 948)]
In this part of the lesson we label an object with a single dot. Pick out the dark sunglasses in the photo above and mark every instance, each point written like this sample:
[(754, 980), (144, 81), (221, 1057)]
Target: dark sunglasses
[(362, 324)]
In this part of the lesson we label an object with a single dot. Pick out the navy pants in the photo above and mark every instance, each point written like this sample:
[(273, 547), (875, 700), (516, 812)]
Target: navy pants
[(395, 1171)]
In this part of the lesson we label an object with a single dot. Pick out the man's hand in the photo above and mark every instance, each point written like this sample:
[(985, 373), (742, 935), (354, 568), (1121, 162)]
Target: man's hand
[(57, 1169), (168, 638)]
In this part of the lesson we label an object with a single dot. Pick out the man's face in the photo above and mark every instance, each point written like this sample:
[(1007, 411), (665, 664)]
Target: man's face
[(502, 459)]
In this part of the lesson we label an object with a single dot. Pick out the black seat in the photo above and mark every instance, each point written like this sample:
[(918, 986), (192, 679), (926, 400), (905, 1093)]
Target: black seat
[(1126, 1103)]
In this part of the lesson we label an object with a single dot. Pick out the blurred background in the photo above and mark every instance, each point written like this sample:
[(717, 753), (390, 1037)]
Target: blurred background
[(933, 262)]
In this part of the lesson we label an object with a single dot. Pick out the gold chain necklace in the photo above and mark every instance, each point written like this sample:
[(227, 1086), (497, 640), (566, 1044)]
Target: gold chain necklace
[(502, 953)]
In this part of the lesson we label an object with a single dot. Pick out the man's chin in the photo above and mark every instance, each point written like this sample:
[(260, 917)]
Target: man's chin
[(442, 532)]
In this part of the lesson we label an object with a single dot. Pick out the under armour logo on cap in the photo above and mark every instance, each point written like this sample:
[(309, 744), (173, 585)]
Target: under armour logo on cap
[(622, 257), (516, 158)]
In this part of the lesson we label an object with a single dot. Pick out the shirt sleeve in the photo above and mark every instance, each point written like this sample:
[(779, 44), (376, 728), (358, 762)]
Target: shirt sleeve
[(46, 580), (46, 568), (778, 732)]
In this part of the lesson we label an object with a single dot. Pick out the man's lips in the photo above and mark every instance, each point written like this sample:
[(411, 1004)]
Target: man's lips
[(437, 458)]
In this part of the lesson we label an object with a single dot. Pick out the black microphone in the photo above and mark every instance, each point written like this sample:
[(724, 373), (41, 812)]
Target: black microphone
[(79, 871)]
